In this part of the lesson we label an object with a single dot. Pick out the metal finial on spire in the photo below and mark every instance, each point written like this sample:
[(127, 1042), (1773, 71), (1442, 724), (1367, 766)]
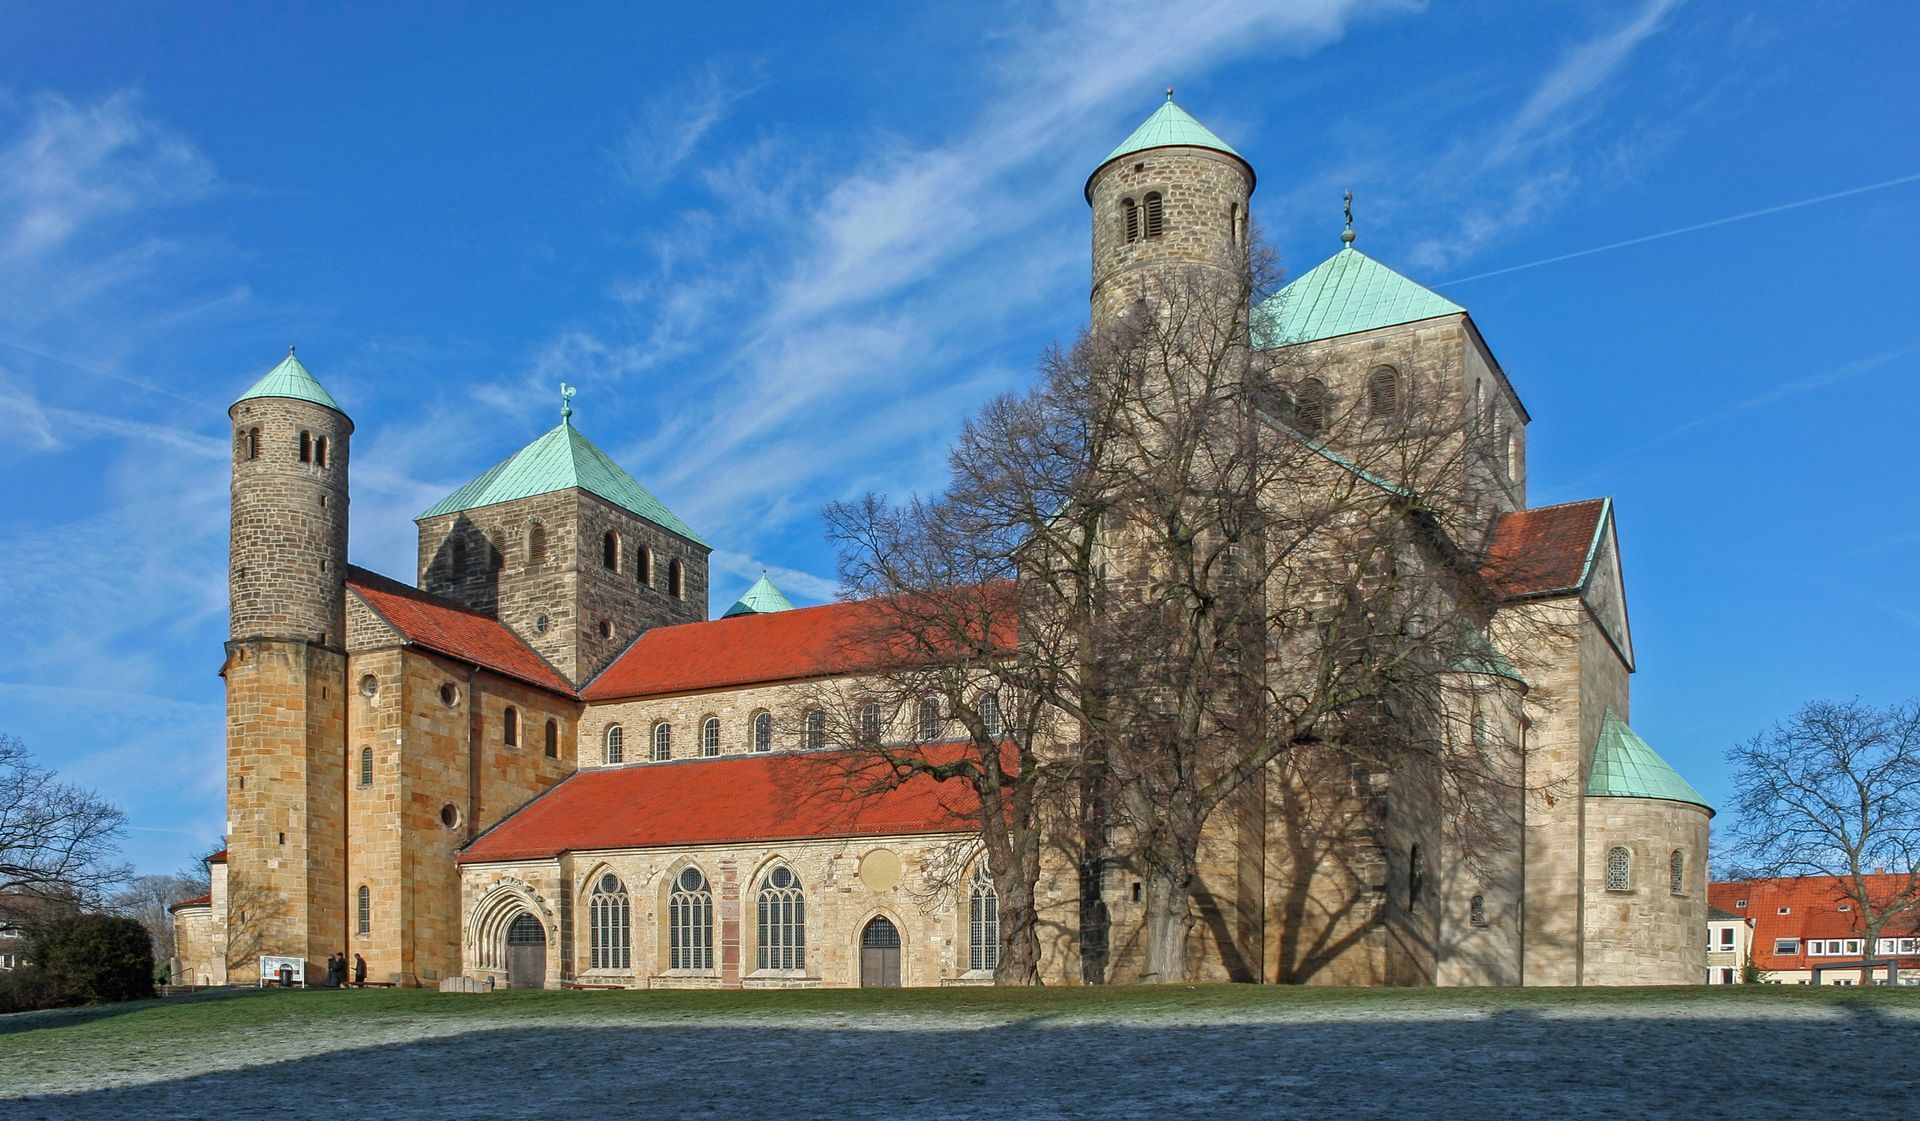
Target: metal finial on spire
[(566, 403), (289, 350), (1347, 234), (1169, 93)]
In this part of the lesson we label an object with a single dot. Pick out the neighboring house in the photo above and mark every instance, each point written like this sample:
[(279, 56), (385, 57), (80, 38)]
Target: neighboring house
[(1805, 931), (1729, 941), (540, 762)]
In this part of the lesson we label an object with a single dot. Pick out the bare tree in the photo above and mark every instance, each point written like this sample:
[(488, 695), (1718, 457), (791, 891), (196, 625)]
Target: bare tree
[(1834, 790), (1204, 587), (57, 840)]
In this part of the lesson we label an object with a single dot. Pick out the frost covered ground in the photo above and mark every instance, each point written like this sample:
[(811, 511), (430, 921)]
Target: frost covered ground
[(1236, 1052)]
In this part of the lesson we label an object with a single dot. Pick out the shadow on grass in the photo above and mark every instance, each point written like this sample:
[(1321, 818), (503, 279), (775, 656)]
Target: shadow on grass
[(1686, 1060), (45, 1018)]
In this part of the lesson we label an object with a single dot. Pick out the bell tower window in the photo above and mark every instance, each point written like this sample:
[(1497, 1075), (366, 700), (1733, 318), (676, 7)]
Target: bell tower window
[(1129, 221), (1383, 392), (306, 447), (1155, 218)]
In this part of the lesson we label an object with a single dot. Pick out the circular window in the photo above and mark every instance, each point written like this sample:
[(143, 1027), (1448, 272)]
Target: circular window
[(609, 884), (606, 629), (449, 694), (691, 880), (540, 624), (369, 686), (450, 816), (780, 877)]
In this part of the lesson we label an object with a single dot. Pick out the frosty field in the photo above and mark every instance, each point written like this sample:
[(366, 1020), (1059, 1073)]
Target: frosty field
[(1241, 1052)]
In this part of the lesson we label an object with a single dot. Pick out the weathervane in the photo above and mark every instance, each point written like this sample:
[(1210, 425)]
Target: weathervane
[(1169, 93), (566, 403), (1347, 235)]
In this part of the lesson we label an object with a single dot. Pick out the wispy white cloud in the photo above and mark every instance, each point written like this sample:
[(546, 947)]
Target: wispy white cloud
[(1568, 91), (671, 126)]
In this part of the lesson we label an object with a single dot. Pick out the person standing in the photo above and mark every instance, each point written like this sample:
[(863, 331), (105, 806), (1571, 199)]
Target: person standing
[(359, 972)]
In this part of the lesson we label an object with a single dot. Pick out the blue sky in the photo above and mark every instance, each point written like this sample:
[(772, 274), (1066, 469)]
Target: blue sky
[(784, 251)]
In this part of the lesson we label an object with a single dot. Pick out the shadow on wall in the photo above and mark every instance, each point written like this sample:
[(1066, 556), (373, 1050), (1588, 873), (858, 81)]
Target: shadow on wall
[(466, 567), (1599, 1058)]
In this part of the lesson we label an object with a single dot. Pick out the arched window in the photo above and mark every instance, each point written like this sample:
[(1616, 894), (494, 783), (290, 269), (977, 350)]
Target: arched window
[(1619, 869), (1677, 872), (870, 723), (643, 566), (363, 911), (610, 938), (662, 741), (763, 732), (306, 447), (1416, 878), (690, 922), (1129, 221), (1477, 910), (676, 579), (553, 739), (929, 719), (1383, 392), (1155, 223), (537, 543), (710, 736), (510, 727), (1310, 407), (783, 921), (1233, 224), (457, 559), (816, 730), (983, 921), (616, 743), (610, 551), (320, 452), (253, 443), (990, 714), (366, 766), (1479, 729), (496, 553)]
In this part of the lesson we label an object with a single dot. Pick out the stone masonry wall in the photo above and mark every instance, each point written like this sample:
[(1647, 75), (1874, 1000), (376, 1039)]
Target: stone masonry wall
[(1203, 192), (288, 552), (1648, 934)]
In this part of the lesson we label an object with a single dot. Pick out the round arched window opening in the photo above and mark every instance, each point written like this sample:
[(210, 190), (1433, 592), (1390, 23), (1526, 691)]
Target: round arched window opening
[(449, 694), (450, 816), (610, 883), (606, 628), (369, 686)]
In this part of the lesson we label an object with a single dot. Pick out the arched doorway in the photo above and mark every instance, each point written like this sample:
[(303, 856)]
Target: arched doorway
[(880, 955), (526, 953)]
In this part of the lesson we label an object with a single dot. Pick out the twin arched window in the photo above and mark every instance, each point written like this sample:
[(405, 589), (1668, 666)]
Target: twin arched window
[(1619, 869), (928, 724), (983, 921), (609, 914), (662, 741), (690, 922), (1310, 407), (783, 921), (816, 730), (1383, 392), (710, 736), (616, 743), (763, 732), (610, 551), (1144, 219)]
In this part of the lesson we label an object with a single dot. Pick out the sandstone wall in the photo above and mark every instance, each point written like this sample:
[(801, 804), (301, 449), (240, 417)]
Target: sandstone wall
[(1204, 208), (1648, 934)]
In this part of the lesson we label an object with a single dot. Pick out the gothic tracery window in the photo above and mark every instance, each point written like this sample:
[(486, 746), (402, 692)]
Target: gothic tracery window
[(690, 922), (782, 926), (983, 921), (609, 914)]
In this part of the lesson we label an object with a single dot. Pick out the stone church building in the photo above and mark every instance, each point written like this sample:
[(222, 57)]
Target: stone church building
[(538, 762)]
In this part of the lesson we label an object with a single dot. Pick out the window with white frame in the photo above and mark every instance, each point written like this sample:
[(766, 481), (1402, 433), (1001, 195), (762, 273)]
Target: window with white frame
[(763, 732), (870, 722), (929, 721), (1619, 869), (983, 921), (710, 736), (609, 910), (990, 714), (1786, 947), (816, 730), (662, 741), (783, 921), (616, 741), (1726, 938), (690, 922)]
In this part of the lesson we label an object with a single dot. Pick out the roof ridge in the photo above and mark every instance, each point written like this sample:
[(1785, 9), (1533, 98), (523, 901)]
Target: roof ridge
[(1557, 505), (399, 587)]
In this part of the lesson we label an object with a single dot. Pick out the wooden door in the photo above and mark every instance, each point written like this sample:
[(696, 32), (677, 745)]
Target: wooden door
[(526, 954), (880, 955)]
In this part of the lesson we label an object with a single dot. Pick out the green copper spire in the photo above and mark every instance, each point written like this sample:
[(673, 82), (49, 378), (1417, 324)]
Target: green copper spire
[(291, 379), (1624, 766), (1169, 127), (1347, 293), (560, 460), (761, 599)]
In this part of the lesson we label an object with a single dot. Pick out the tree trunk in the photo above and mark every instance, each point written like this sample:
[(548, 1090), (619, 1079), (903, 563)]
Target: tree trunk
[(1019, 937), (1169, 921)]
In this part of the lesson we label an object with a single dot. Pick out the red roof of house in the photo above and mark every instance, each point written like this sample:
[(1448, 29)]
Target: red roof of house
[(1544, 550), (742, 798), (196, 901), (834, 639), (217, 858), (429, 621), (1813, 910)]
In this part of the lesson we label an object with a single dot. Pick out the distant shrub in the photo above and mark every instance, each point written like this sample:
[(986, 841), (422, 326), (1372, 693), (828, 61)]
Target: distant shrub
[(95, 959), (26, 988)]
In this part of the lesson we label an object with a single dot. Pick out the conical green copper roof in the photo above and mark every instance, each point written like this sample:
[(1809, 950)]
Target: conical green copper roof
[(1480, 656), (1624, 766), (1345, 293), (1169, 126), (291, 379), (560, 460), (761, 599)]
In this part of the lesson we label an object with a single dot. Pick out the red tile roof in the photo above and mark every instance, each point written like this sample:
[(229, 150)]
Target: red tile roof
[(1812, 904), (217, 858), (838, 638), (429, 621), (1543, 551), (196, 901), (742, 798)]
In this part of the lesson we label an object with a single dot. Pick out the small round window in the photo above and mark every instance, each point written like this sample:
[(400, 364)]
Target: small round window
[(780, 877), (540, 624), (690, 880), (450, 816), (610, 884), (369, 686), (449, 694)]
